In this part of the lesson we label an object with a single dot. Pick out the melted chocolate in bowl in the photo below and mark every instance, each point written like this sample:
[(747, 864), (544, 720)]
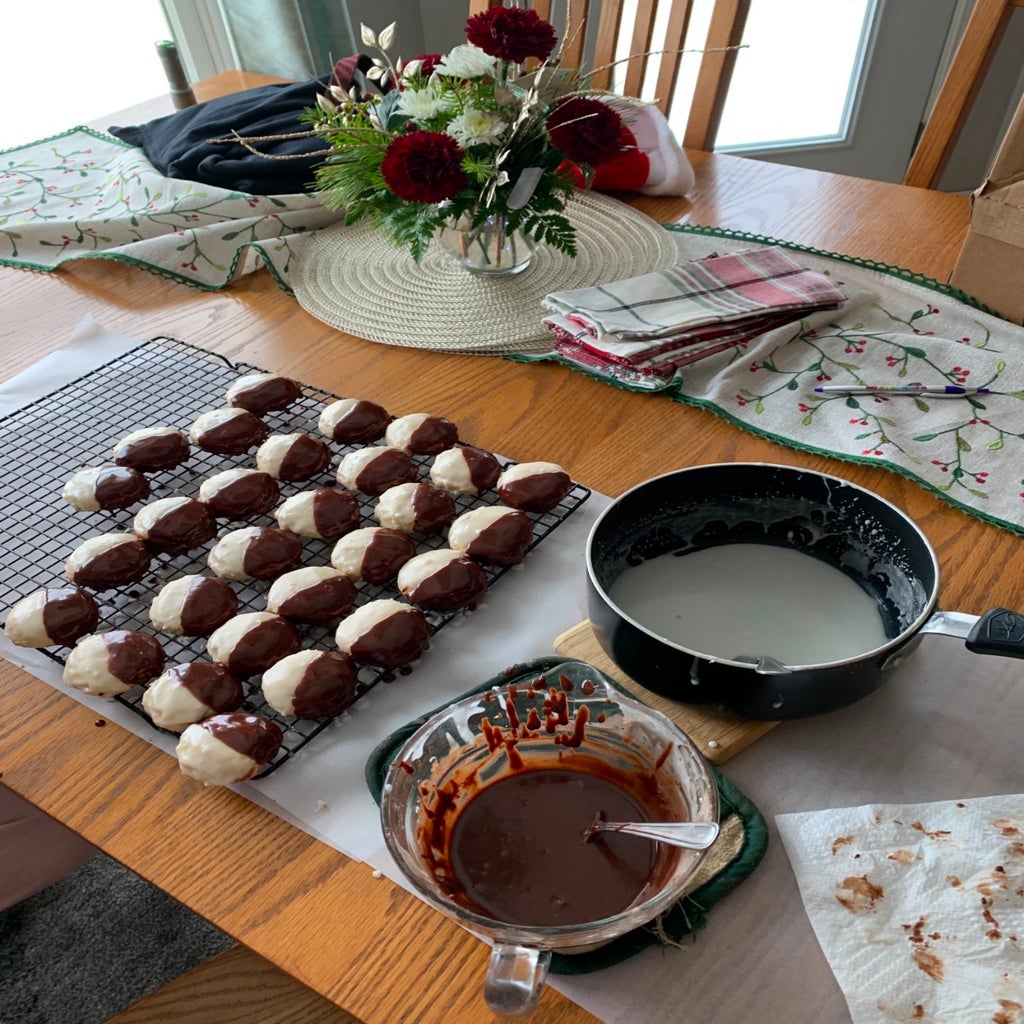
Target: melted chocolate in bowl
[(486, 806), (518, 855)]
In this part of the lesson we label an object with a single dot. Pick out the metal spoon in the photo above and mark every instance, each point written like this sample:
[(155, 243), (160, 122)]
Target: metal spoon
[(693, 835)]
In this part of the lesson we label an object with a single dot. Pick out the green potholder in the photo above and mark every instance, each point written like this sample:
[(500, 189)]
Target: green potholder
[(738, 850)]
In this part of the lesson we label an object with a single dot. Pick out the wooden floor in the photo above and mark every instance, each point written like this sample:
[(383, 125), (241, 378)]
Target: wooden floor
[(234, 986)]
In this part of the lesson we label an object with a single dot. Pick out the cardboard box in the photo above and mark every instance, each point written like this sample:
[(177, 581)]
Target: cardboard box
[(990, 266)]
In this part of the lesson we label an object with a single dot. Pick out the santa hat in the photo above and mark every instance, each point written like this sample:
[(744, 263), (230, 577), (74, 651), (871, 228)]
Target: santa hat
[(667, 171), (651, 162)]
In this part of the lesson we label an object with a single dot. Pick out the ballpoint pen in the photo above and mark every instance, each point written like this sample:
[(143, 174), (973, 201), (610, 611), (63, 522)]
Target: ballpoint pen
[(910, 390)]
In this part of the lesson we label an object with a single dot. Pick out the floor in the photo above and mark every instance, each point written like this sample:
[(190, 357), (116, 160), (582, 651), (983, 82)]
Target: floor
[(93, 944)]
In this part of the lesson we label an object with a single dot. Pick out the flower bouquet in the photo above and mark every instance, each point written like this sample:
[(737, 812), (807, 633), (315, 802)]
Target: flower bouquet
[(488, 140)]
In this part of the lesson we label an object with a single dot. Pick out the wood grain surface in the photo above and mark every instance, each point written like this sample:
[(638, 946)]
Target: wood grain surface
[(360, 941), (235, 985)]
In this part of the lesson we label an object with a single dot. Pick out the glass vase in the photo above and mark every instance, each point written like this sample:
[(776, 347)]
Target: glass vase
[(489, 250)]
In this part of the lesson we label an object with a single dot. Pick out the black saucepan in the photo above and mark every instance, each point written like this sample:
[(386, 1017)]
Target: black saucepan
[(850, 528)]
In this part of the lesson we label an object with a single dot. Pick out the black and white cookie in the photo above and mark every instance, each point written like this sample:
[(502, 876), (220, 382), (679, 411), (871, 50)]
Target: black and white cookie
[(189, 693), (227, 748), (442, 580), (421, 434), (250, 643), (354, 421), (314, 594), (237, 494), (373, 470), (373, 553), (385, 632), (533, 486), (108, 560), (230, 431), (261, 393), (104, 488), (465, 470), (175, 525), (311, 684), (415, 508), (325, 512), (52, 617), (293, 457), (152, 449), (193, 605), (494, 534), (106, 664), (255, 553)]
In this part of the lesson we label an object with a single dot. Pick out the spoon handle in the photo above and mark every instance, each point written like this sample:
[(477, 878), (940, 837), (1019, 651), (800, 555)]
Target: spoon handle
[(694, 835)]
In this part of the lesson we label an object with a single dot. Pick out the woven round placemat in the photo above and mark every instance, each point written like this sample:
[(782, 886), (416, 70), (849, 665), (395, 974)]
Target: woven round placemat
[(353, 278)]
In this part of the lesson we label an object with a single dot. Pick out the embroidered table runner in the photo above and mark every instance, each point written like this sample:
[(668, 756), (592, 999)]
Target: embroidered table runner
[(84, 195), (894, 329)]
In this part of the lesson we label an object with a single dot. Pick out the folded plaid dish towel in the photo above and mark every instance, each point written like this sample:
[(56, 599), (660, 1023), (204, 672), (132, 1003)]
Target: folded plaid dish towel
[(660, 321)]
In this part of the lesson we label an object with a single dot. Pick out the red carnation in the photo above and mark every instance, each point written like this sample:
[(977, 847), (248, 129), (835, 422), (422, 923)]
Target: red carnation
[(511, 33), (424, 167), (586, 131)]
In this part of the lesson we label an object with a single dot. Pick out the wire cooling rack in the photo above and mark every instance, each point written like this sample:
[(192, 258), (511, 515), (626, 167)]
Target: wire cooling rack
[(167, 382)]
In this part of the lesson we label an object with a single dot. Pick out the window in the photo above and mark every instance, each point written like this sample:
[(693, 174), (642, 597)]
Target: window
[(787, 85), (92, 59)]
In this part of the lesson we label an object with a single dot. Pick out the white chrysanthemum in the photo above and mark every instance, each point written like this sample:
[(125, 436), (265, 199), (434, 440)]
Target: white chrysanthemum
[(421, 104), (466, 61), (477, 127)]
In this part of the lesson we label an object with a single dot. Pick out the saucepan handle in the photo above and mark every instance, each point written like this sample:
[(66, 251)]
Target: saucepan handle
[(998, 631), (515, 978)]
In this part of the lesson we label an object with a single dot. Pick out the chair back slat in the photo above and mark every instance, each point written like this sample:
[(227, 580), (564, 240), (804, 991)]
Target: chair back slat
[(575, 35), (648, 56), (543, 8), (716, 66), (985, 28)]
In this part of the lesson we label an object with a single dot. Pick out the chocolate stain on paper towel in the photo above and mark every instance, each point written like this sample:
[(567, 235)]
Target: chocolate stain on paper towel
[(858, 894), (1009, 1012), (1012, 832), (841, 841), (987, 889), (923, 957), (937, 834), (903, 856)]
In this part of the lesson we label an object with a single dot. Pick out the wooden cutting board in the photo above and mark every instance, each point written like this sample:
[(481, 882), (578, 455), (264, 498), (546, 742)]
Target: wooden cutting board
[(718, 734)]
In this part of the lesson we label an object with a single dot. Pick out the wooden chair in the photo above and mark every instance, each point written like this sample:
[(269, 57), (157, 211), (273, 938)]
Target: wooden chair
[(985, 28), (716, 65), (235, 985)]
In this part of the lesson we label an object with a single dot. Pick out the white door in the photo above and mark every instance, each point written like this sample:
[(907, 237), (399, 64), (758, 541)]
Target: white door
[(839, 85), (855, 79)]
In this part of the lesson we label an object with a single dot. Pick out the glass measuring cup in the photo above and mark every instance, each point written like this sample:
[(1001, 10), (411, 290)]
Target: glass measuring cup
[(571, 718)]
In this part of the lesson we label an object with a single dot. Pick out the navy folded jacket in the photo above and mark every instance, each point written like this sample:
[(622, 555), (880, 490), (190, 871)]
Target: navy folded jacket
[(178, 145)]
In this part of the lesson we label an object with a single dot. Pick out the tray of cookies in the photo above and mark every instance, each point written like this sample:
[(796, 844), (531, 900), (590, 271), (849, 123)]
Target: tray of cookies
[(238, 557)]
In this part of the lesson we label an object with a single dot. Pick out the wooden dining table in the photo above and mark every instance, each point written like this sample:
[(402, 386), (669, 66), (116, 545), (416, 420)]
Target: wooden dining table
[(363, 943)]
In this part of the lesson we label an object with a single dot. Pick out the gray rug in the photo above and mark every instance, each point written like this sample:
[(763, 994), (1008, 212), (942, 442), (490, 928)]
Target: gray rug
[(93, 944)]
